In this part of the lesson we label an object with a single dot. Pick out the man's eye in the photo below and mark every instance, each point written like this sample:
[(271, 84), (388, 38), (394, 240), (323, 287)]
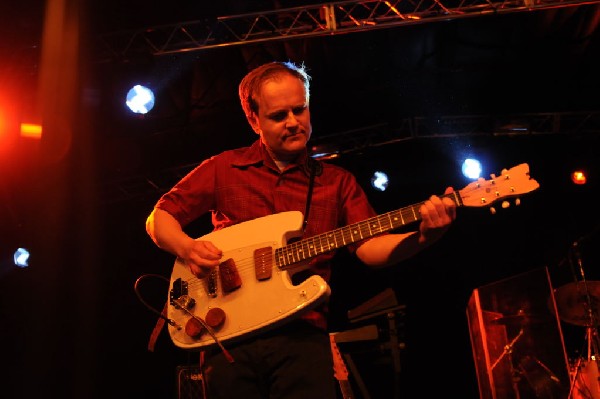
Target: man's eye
[(279, 116), (299, 110)]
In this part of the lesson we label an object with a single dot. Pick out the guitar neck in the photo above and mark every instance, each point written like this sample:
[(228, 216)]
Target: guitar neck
[(307, 248)]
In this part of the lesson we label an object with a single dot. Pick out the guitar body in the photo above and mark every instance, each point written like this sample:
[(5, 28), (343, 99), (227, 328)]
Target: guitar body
[(255, 305)]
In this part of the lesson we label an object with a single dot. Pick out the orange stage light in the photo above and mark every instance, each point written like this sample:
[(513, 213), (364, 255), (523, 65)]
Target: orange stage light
[(578, 177), (31, 130)]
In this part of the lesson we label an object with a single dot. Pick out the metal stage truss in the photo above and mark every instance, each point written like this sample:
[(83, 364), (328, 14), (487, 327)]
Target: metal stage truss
[(572, 124), (335, 18), (331, 18)]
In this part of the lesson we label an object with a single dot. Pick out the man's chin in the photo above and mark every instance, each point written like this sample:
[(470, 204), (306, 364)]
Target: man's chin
[(297, 149), (295, 144)]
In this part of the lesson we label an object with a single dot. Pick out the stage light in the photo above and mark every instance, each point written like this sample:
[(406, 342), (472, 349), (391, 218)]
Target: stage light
[(379, 181), (21, 257), (140, 99), (31, 130), (579, 177), (471, 168)]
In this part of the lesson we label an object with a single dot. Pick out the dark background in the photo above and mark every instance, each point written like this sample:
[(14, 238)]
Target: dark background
[(72, 325)]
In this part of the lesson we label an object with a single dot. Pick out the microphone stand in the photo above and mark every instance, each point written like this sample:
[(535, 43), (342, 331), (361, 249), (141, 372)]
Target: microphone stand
[(508, 348), (591, 333)]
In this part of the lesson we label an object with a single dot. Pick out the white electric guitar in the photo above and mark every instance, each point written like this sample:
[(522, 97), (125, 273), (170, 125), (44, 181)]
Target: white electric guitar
[(252, 290)]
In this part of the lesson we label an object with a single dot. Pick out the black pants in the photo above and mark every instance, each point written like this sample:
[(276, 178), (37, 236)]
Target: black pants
[(290, 362)]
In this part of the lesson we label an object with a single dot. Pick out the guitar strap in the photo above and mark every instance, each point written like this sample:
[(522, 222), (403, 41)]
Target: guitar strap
[(315, 169), (156, 330)]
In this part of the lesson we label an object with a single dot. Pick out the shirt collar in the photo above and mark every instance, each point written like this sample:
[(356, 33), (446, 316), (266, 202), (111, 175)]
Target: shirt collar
[(249, 156), (257, 154)]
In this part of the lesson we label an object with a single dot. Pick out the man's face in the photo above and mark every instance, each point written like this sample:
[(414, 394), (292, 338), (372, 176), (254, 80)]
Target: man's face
[(283, 120)]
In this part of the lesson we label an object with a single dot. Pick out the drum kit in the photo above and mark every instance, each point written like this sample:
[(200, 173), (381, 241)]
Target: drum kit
[(578, 303)]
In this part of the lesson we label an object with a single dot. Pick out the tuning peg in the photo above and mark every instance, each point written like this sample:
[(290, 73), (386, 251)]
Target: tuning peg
[(517, 201), (505, 204), (492, 210)]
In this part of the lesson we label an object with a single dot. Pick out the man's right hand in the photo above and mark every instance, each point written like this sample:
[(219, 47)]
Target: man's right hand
[(201, 257)]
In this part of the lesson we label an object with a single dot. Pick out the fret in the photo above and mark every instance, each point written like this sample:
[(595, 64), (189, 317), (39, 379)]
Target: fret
[(279, 259), (390, 220), (303, 250), (347, 231), (339, 233), (384, 222), (311, 247), (332, 241), (290, 254), (289, 258), (356, 232), (295, 252), (412, 208), (408, 215), (327, 246), (365, 230), (315, 245), (376, 226), (371, 227), (393, 216), (320, 239), (318, 245)]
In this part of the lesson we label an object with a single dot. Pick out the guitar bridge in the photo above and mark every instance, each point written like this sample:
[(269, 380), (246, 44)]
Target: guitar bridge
[(179, 295), (211, 284)]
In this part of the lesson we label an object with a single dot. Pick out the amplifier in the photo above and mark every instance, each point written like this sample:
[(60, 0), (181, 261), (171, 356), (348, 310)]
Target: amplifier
[(190, 383)]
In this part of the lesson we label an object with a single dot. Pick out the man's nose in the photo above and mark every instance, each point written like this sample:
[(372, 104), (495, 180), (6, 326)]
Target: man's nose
[(291, 120)]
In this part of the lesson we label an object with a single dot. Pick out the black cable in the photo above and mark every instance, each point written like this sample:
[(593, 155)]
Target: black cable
[(183, 308), (137, 293)]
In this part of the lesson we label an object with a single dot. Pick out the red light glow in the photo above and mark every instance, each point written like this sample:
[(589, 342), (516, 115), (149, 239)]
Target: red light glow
[(578, 177)]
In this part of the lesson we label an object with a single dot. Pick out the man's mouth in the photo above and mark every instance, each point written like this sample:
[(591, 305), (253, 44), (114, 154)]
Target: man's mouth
[(292, 135)]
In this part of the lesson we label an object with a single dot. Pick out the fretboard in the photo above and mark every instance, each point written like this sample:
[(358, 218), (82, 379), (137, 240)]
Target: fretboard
[(319, 244)]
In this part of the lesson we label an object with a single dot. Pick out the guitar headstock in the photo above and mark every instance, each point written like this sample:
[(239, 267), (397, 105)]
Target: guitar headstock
[(511, 183)]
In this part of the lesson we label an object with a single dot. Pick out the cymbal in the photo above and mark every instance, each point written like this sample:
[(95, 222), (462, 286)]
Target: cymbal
[(572, 303)]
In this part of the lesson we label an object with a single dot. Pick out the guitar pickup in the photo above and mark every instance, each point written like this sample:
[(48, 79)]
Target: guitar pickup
[(179, 295), (263, 263), (230, 277)]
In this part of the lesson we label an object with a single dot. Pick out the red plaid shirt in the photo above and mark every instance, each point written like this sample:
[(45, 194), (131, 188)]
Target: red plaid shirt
[(243, 184)]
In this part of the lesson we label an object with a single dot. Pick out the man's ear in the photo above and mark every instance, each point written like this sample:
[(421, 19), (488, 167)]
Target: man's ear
[(253, 120)]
